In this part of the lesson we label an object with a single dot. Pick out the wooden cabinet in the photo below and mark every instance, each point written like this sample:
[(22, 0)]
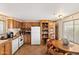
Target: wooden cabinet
[(20, 24), (52, 30), (13, 23), (35, 23), (10, 23), (30, 24), (23, 24), (8, 48), (17, 24), (1, 49), (27, 38), (5, 48), (26, 27)]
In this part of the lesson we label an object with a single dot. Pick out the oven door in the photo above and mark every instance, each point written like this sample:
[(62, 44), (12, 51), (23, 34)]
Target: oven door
[(20, 42)]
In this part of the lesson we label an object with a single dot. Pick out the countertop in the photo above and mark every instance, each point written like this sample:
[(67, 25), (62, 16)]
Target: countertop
[(2, 41), (6, 39)]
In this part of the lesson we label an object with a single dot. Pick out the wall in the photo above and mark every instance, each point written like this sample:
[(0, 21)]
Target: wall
[(60, 23), (4, 19)]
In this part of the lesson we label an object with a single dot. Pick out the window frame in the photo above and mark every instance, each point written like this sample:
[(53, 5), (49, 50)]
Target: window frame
[(73, 29), (3, 27)]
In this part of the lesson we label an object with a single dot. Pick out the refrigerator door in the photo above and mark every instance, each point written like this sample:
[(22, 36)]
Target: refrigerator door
[(35, 35)]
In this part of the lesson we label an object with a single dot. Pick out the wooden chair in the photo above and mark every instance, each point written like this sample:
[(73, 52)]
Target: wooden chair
[(49, 45), (53, 50)]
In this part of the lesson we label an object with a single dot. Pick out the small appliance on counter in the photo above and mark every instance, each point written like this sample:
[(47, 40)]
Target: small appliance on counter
[(20, 32), (10, 35)]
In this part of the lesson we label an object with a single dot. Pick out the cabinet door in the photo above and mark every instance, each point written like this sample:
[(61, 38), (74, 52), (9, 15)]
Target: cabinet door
[(1, 49), (52, 30), (20, 24), (25, 38), (14, 24), (8, 49), (10, 23)]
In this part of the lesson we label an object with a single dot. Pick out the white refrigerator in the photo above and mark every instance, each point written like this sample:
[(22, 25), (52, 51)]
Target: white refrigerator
[(35, 35)]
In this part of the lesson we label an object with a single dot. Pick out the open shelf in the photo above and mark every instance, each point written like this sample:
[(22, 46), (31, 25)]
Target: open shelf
[(48, 30), (44, 30)]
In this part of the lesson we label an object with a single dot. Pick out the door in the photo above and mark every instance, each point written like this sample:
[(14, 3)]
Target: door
[(35, 35)]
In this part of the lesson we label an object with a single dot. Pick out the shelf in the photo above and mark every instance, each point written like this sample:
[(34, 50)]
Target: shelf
[(45, 34), (44, 30), (27, 31), (45, 38)]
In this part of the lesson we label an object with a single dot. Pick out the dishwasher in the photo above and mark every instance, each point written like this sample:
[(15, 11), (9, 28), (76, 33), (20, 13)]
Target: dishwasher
[(14, 45)]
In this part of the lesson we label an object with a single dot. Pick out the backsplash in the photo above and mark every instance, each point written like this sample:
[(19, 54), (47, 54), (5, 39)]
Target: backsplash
[(15, 30)]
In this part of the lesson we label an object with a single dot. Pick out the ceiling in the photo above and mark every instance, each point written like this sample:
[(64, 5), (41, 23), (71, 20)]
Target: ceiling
[(36, 11)]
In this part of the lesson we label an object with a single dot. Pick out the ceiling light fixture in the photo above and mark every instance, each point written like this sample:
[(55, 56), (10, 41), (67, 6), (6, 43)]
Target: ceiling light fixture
[(60, 16)]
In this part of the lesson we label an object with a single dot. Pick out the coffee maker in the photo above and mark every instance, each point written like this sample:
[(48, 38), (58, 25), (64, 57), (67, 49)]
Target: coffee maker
[(10, 35)]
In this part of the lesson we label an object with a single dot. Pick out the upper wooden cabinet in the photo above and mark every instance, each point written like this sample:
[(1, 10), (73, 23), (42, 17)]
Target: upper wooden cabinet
[(5, 48), (19, 24), (52, 30), (35, 23), (13, 23), (30, 24), (10, 23)]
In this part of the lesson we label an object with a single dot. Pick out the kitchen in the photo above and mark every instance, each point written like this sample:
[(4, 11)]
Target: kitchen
[(38, 29)]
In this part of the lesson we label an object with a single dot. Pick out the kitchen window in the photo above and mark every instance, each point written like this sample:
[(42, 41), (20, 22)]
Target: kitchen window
[(71, 30), (1, 27)]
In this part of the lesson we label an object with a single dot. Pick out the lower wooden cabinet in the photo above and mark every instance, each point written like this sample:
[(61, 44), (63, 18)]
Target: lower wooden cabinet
[(8, 49), (5, 48), (2, 49), (27, 38)]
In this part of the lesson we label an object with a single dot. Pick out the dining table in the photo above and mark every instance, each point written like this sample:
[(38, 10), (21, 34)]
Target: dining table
[(70, 48)]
